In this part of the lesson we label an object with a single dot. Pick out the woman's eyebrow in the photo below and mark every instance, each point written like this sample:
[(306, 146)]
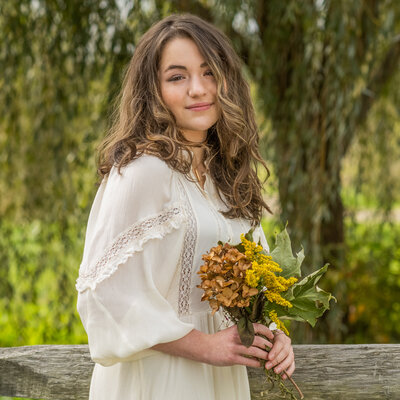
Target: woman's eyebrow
[(183, 67)]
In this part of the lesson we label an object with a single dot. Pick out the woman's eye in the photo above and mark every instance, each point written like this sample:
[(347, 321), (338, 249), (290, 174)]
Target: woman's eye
[(175, 78), (180, 77)]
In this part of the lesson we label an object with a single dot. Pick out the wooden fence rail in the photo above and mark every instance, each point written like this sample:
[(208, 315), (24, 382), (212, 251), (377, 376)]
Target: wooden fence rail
[(322, 371)]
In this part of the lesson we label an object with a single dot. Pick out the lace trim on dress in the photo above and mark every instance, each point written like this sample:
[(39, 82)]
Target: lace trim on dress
[(127, 243), (187, 255)]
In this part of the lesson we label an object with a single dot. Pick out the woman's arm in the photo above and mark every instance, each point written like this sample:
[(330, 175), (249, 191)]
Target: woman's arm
[(224, 348)]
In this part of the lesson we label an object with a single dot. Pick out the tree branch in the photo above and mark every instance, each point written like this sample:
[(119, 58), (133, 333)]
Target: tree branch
[(368, 19), (261, 17), (378, 82)]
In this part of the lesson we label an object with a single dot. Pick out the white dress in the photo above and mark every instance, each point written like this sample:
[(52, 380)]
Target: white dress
[(146, 233)]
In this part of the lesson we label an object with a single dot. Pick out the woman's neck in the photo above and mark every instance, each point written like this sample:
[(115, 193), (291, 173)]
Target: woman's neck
[(198, 166), (198, 158)]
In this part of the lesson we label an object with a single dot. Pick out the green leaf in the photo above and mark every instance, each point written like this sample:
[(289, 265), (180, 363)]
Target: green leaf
[(308, 300), (240, 247), (282, 254), (249, 235), (246, 331), (281, 312)]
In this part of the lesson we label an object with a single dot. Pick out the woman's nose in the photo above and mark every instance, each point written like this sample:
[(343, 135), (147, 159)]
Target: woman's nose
[(196, 87)]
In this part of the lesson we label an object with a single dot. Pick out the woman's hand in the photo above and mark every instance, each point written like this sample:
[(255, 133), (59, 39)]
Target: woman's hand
[(281, 356), (225, 347)]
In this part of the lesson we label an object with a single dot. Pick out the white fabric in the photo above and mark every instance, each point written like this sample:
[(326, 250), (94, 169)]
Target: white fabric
[(147, 231)]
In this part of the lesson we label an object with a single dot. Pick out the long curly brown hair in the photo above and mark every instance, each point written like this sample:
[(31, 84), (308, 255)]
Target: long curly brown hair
[(141, 122)]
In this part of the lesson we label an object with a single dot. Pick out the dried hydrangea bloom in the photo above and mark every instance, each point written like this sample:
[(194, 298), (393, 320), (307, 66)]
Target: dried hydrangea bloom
[(223, 278)]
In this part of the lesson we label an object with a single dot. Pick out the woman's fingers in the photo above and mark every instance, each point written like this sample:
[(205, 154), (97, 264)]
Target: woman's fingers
[(248, 362), (281, 341), (261, 342), (281, 356), (280, 350), (263, 330), (285, 364), (254, 352), (289, 371)]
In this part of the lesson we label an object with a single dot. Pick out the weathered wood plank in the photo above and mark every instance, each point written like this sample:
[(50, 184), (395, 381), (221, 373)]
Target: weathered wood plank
[(46, 372), (356, 372), (323, 372)]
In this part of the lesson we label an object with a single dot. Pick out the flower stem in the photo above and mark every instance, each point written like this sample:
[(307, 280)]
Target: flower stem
[(295, 385), (273, 376)]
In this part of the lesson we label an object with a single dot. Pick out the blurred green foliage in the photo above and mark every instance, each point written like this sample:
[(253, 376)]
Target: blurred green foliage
[(367, 288), (372, 283), (37, 284), (40, 305)]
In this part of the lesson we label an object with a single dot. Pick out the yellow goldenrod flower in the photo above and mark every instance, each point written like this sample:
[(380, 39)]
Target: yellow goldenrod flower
[(286, 283), (275, 297), (280, 325), (251, 278), (251, 248), (272, 265), (261, 274)]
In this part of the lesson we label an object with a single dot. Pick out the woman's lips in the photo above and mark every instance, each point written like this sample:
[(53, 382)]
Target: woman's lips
[(202, 107)]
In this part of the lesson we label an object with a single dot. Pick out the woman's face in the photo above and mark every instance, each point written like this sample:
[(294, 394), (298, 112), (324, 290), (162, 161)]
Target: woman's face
[(188, 88)]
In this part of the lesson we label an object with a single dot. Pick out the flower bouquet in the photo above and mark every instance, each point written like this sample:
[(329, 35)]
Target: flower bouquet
[(252, 285)]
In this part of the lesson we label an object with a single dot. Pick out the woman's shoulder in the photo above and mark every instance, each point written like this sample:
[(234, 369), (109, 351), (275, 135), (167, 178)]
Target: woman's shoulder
[(144, 177), (146, 169), (149, 165)]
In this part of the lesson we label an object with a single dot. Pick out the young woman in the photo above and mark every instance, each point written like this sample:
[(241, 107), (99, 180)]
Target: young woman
[(178, 175)]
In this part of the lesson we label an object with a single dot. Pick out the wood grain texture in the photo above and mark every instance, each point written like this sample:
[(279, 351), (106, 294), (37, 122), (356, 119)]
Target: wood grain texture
[(46, 372), (322, 371), (337, 372)]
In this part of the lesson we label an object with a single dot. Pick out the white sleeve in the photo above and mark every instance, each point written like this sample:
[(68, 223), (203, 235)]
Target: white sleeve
[(259, 236), (131, 257)]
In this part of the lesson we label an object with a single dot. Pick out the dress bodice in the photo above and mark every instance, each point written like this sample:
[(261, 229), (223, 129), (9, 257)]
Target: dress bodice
[(147, 231)]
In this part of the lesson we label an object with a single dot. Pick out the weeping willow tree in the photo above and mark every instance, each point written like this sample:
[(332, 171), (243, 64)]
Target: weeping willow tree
[(56, 60), (321, 68), (337, 59)]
